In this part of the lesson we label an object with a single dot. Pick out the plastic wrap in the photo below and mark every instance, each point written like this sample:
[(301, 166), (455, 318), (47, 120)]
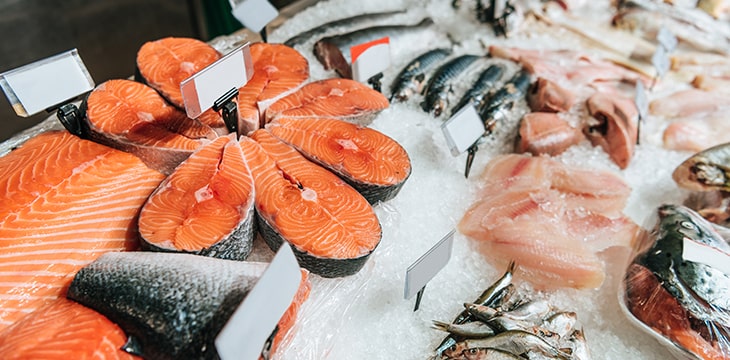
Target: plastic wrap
[(676, 286)]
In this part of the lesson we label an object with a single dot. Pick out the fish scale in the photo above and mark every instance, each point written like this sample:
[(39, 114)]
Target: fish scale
[(411, 78), (436, 93)]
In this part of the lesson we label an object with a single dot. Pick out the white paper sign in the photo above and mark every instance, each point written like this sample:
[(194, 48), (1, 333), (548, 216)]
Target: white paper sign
[(666, 39), (246, 332), (704, 254), (660, 60), (642, 103), (43, 84), (463, 130), (201, 90), (370, 59), (428, 265), (254, 14)]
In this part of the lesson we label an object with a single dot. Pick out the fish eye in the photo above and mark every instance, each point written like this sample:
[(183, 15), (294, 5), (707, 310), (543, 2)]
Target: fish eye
[(473, 351), (688, 225)]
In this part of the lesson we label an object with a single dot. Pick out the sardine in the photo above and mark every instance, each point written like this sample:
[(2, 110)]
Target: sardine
[(487, 354), (517, 342), (411, 79), (580, 347), (500, 320), (488, 298), (480, 88), (173, 304), (354, 22), (496, 107), (334, 51), (561, 323), (437, 91), (470, 330), (705, 171)]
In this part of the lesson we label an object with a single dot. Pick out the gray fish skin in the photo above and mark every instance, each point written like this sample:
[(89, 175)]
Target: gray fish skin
[(410, 80), (436, 92), (173, 304), (470, 330), (487, 354), (702, 290), (354, 22), (334, 51), (504, 99), (517, 342), (484, 83)]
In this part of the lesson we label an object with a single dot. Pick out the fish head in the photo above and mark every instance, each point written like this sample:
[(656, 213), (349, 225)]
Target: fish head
[(701, 173)]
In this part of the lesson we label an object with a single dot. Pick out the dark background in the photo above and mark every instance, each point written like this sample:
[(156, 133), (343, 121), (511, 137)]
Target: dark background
[(106, 33)]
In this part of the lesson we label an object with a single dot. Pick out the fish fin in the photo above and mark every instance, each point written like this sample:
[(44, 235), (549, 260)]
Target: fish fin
[(132, 346), (439, 325), (420, 77)]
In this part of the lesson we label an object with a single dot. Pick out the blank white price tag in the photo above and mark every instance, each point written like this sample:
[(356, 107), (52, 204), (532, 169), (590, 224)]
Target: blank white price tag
[(666, 39), (642, 103), (463, 130), (428, 265), (201, 90), (253, 14), (370, 58), (705, 254), (43, 84), (246, 332), (660, 60)]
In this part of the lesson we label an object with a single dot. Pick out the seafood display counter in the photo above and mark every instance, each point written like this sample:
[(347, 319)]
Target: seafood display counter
[(589, 213)]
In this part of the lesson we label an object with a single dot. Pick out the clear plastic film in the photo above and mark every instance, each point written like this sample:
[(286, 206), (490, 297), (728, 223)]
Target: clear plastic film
[(677, 284)]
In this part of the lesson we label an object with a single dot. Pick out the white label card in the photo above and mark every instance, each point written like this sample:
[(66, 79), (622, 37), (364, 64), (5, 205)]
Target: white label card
[(499, 7), (463, 129), (660, 60), (642, 103), (666, 39), (704, 254), (46, 83), (246, 332), (428, 265), (371, 59), (253, 14), (202, 89)]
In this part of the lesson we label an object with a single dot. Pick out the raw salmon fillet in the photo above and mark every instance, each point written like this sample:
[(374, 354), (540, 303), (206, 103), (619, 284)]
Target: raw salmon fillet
[(206, 206), (278, 71), (551, 219), (132, 117), (64, 330), (371, 162), (67, 201), (163, 64), (339, 98), (331, 227)]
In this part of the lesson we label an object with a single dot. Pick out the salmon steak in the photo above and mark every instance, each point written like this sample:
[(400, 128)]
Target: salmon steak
[(330, 226), (67, 201), (338, 98), (186, 301), (549, 218), (371, 162), (132, 117), (205, 207), (278, 70), (62, 330), (163, 64)]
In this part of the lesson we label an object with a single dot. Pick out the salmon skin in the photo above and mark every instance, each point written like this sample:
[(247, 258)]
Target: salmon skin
[(330, 226), (132, 117), (67, 201), (278, 70), (205, 207), (354, 22), (334, 51), (184, 303), (336, 98), (371, 162), (163, 64), (411, 79), (63, 330)]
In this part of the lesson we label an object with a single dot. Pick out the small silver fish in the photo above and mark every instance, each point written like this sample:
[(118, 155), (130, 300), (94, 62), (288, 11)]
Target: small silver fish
[(561, 323), (487, 354), (470, 330), (579, 345), (518, 342)]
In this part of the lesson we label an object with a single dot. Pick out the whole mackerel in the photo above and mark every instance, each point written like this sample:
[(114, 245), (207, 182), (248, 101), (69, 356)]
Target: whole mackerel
[(481, 87), (437, 91), (354, 22), (334, 51), (411, 79)]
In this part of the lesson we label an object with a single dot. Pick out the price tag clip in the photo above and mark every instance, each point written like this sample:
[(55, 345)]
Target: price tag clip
[(228, 109), (70, 116), (426, 267), (375, 82), (419, 296), (266, 351)]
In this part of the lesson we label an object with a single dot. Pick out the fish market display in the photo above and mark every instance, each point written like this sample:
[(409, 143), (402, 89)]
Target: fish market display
[(437, 89), (411, 79), (184, 303), (67, 201), (339, 98), (550, 218), (353, 22), (548, 96), (493, 110), (614, 125), (546, 133), (681, 300), (206, 206), (334, 51), (133, 117), (372, 163), (689, 102), (706, 170), (278, 70), (330, 226), (64, 329), (481, 87), (507, 324)]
